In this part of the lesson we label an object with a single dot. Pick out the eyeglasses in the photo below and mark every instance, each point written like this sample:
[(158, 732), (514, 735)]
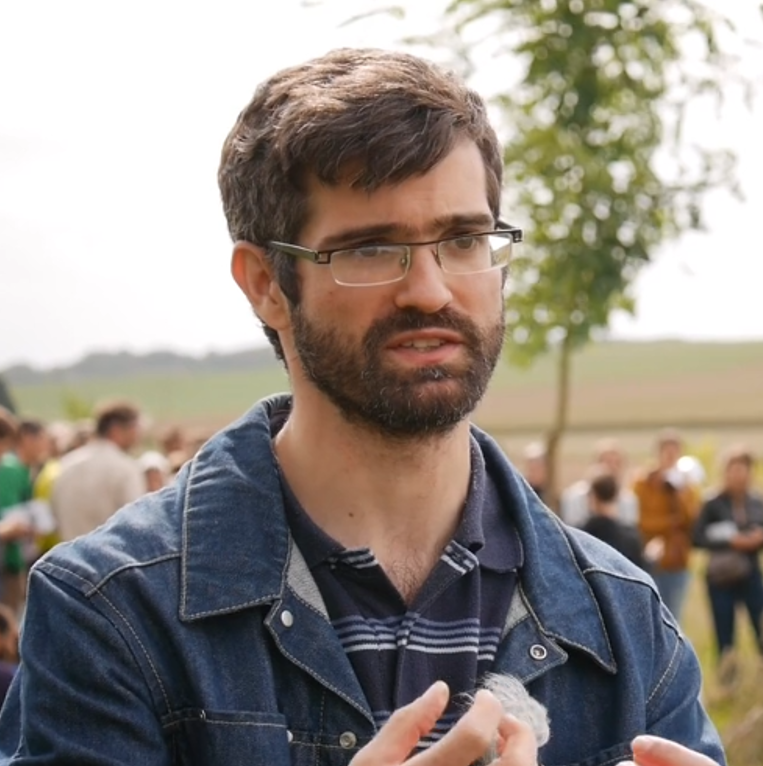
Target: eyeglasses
[(382, 264)]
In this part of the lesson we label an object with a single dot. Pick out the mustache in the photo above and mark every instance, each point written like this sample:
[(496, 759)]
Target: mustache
[(410, 319)]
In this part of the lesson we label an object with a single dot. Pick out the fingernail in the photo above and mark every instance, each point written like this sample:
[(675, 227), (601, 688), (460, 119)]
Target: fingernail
[(437, 689), (645, 741)]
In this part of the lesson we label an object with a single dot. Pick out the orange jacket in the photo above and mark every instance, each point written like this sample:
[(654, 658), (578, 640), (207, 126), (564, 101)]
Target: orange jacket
[(667, 513)]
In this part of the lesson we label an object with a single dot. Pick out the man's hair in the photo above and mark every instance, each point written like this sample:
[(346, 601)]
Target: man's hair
[(669, 436), (738, 454), (30, 428), (604, 487), (8, 424), (364, 117), (110, 414)]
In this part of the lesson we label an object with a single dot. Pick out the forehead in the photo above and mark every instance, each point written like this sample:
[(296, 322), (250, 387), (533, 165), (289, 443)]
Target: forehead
[(455, 186)]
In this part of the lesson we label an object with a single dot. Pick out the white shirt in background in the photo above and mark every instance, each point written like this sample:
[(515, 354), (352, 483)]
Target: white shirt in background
[(95, 481)]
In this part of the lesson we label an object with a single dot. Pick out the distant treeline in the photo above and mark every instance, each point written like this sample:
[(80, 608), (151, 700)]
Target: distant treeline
[(124, 363)]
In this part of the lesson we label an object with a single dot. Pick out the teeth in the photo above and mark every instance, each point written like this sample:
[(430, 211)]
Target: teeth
[(423, 344)]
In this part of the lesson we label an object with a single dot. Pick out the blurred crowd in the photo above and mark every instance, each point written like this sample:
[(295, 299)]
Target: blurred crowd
[(61, 480), (658, 514)]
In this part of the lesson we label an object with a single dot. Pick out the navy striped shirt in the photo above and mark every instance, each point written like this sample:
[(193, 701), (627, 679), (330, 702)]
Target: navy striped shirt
[(452, 628)]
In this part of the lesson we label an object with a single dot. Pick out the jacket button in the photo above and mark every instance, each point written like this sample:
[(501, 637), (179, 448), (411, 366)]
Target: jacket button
[(347, 740), (287, 618), (538, 652), (289, 736)]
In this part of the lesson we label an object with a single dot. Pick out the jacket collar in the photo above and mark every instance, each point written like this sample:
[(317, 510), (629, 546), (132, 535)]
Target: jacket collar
[(236, 542)]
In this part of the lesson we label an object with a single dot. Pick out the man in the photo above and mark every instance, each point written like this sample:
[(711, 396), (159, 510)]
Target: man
[(668, 506), (356, 548), (574, 506), (100, 477), (604, 521)]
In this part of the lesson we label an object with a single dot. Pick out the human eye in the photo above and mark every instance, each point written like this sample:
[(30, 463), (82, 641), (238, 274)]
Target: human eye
[(369, 252), (464, 242)]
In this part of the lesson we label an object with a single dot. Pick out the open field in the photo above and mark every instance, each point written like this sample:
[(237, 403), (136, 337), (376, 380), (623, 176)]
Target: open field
[(713, 391)]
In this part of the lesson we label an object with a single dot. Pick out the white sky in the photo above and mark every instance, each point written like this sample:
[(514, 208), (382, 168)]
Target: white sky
[(112, 116)]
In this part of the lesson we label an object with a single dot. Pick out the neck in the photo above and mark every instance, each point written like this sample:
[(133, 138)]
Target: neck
[(401, 498)]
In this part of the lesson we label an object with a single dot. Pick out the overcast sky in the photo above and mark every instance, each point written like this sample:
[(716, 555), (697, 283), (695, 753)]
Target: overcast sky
[(112, 115)]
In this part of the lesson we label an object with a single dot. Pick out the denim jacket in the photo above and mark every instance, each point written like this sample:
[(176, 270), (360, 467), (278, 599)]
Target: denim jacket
[(188, 630)]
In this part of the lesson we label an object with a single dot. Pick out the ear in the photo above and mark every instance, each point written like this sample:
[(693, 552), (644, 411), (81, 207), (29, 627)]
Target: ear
[(253, 274)]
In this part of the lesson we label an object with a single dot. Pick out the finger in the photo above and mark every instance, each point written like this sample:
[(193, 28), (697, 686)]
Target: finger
[(656, 751), (518, 744), (469, 739), (405, 727)]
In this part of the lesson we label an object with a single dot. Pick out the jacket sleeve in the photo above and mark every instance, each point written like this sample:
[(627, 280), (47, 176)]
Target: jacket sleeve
[(79, 697)]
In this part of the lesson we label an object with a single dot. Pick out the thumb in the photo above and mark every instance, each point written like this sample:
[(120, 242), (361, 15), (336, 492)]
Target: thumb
[(405, 727), (656, 751)]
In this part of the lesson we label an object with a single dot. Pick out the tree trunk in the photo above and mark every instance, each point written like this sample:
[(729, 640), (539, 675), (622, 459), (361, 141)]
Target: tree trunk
[(559, 424)]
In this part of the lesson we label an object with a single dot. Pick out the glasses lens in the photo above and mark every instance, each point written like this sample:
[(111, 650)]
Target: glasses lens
[(373, 265), (475, 253)]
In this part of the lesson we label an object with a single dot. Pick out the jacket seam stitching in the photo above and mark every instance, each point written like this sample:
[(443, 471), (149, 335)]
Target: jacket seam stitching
[(661, 681)]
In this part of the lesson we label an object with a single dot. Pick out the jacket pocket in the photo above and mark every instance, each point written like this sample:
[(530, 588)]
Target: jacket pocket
[(213, 738), (609, 757)]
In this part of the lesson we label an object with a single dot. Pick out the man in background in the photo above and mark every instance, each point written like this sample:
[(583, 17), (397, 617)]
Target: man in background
[(100, 477), (575, 501), (604, 521)]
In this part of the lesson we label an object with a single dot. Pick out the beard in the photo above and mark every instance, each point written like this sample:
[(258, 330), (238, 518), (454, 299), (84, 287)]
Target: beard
[(404, 404)]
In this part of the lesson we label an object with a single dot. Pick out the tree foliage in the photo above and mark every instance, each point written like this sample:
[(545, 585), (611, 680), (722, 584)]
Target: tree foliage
[(596, 170)]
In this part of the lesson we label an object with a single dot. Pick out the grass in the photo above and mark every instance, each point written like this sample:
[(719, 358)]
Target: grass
[(637, 383), (739, 715)]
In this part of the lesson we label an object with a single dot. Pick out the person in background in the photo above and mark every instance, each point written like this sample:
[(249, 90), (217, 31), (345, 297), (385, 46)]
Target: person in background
[(730, 527), (100, 477), (608, 457), (668, 506), (333, 574), (156, 470), (535, 469), (9, 649), (604, 519), (18, 469)]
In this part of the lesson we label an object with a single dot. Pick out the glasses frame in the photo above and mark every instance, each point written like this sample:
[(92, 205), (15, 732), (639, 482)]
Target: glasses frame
[(323, 257)]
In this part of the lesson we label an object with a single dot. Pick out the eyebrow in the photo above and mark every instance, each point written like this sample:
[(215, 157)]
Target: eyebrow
[(482, 221)]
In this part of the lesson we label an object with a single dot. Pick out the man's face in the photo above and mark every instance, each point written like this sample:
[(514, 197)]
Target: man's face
[(613, 459), (668, 454), (34, 449), (126, 435), (737, 476), (411, 358)]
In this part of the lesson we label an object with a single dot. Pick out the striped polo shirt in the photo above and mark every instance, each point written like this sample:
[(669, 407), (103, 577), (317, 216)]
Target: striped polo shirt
[(451, 630)]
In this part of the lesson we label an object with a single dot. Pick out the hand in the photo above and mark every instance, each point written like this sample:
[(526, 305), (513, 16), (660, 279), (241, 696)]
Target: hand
[(14, 527), (481, 727), (655, 751)]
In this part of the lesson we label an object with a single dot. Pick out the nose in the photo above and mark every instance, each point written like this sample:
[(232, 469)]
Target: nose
[(424, 287)]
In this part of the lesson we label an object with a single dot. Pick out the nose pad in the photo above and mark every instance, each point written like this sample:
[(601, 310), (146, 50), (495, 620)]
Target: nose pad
[(425, 285)]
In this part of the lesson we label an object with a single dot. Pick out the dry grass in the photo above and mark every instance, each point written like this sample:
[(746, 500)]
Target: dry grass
[(737, 711)]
